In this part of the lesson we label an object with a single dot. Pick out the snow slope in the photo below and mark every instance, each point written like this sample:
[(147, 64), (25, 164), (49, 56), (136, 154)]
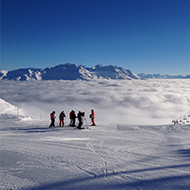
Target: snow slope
[(108, 156), (6, 107), (10, 112)]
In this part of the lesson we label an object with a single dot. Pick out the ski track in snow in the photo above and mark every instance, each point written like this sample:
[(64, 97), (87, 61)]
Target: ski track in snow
[(105, 157), (90, 146)]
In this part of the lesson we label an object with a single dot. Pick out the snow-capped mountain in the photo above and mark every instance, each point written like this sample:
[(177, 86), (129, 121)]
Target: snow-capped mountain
[(68, 72), (187, 77), (112, 72), (159, 76)]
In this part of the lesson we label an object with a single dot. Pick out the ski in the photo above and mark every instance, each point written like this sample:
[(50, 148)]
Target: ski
[(83, 128)]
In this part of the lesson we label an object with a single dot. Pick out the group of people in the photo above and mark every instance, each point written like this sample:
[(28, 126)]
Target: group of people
[(73, 116)]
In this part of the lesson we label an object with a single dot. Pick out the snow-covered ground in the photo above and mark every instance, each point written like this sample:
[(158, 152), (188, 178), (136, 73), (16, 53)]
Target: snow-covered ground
[(118, 153), (105, 157)]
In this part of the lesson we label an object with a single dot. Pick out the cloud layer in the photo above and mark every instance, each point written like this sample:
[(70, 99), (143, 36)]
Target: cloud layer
[(115, 101)]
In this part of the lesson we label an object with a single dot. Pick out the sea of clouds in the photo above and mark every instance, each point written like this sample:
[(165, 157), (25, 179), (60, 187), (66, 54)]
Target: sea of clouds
[(154, 101)]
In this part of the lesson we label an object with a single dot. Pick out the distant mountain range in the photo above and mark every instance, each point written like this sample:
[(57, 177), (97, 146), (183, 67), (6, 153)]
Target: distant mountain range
[(68, 72), (74, 72), (159, 76)]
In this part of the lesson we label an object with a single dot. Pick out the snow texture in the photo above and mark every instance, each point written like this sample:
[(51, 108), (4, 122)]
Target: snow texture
[(115, 154), (105, 157)]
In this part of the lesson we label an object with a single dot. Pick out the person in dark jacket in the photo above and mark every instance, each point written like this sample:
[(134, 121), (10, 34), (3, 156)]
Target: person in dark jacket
[(80, 116), (61, 119), (52, 117), (73, 118), (70, 116)]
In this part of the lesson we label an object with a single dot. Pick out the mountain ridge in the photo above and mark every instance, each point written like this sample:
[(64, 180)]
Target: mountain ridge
[(68, 71), (160, 76)]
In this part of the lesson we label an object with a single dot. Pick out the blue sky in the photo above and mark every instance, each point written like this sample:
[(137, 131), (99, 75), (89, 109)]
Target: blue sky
[(145, 36)]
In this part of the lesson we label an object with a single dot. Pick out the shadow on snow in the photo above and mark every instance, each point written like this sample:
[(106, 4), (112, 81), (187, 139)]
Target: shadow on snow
[(36, 129), (184, 153), (104, 182)]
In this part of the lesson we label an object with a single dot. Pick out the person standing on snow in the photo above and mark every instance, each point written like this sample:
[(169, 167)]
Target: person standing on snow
[(92, 116), (80, 116), (52, 117), (72, 118), (61, 118)]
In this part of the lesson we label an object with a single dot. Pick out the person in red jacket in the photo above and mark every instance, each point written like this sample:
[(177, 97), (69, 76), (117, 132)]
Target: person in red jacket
[(92, 116), (52, 117)]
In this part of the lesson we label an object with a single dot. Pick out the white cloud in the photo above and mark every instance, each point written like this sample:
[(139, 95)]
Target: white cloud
[(114, 101)]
